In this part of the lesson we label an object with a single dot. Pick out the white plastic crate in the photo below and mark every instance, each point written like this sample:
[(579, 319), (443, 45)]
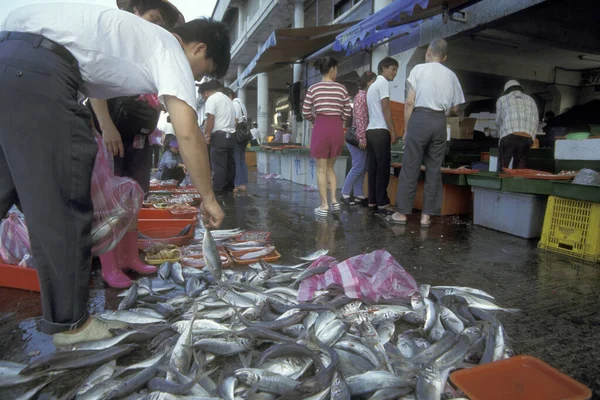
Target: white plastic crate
[(299, 167), (274, 162), (261, 162), (515, 213), (287, 161)]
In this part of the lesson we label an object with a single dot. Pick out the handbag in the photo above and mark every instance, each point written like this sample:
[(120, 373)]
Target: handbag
[(242, 131), (350, 136)]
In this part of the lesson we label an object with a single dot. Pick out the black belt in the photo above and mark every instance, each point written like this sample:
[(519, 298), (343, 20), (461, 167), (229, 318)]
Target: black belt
[(429, 110), (41, 41)]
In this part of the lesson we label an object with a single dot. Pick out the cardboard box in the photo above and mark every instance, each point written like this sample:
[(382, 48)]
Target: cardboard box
[(461, 128)]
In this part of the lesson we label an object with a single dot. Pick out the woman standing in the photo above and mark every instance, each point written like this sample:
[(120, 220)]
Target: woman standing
[(360, 121), (327, 106), (127, 138)]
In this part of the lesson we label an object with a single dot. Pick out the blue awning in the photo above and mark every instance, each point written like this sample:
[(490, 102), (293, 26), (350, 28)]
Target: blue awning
[(400, 18)]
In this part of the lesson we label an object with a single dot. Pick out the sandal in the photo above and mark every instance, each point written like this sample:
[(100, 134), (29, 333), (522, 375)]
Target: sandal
[(336, 207), (321, 212), (391, 220)]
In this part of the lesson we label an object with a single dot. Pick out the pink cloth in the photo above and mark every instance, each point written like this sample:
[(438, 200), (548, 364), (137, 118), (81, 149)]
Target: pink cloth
[(360, 119), (151, 99), (369, 277)]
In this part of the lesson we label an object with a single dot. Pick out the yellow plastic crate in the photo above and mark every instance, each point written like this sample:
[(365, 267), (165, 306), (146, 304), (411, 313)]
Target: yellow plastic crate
[(572, 227)]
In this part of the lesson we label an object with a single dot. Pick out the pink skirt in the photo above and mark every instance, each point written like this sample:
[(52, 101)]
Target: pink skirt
[(327, 139)]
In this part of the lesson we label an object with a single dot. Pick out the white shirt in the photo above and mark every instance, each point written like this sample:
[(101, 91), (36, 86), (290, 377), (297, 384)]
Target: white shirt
[(222, 108), (119, 53), (379, 90), (240, 110), (255, 133), (436, 87)]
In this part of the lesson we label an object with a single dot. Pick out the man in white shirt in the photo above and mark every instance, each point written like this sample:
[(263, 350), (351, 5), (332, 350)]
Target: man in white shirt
[(49, 53), (239, 153), (380, 134), (433, 92), (219, 130), (256, 139)]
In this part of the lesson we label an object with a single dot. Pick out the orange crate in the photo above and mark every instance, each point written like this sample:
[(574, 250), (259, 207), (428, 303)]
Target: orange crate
[(166, 223), (273, 256), (516, 378), (164, 235), (16, 277), (163, 213)]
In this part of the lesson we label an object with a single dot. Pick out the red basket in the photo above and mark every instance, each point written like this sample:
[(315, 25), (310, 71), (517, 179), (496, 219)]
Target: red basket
[(164, 235), (16, 277), (144, 224), (164, 213)]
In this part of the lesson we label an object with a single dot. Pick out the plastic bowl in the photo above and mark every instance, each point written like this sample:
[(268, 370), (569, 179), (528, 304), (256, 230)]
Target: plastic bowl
[(578, 135)]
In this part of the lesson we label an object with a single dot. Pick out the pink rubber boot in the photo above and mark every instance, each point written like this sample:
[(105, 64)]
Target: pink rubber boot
[(111, 273), (129, 257)]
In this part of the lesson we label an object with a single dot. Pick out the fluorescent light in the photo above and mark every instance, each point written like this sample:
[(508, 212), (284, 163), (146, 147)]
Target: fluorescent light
[(589, 58)]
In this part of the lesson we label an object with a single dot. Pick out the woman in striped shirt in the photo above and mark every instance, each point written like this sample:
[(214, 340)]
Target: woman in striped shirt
[(327, 106)]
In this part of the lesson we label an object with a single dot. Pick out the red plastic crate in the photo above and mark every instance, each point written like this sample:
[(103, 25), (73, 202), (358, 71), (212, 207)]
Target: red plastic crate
[(16, 277), (164, 213), (144, 224)]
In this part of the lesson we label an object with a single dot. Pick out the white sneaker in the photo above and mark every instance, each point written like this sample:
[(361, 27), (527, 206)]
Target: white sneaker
[(97, 329)]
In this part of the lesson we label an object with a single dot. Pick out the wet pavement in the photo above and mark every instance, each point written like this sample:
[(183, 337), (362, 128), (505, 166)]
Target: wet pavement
[(559, 298)]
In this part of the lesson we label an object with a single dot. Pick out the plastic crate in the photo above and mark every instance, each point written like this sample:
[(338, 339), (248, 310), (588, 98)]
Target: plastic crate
[(144, 224), (572, 227), (165, 235), (157, 213), (16, 277), (487, 180), (515, 213)]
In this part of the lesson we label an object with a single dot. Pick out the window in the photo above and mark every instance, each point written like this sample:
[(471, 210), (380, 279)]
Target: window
[(341, 6)]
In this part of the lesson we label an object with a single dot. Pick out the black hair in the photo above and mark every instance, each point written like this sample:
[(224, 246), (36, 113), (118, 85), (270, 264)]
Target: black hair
[(167, 141), (214, 35), (143, 6), (209, 86), (325, 64), (228, 92), (386, 63), (365, 79)]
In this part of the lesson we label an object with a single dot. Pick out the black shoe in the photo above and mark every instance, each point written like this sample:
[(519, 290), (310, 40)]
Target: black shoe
[(362, 202), (349, 201), (386, 211)]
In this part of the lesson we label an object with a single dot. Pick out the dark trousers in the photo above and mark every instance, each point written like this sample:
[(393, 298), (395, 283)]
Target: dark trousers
[(173, 173), (155, 155), (378, 162), (222, 161), (425, 144), (135, 163), (514, 147), (46, 160)]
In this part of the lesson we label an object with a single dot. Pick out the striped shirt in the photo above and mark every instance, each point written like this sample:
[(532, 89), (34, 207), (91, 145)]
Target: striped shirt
[(326, 98)]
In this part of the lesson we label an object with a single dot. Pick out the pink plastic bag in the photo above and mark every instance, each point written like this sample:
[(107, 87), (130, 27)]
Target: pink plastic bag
[(369, 277), (117, 202), (14, 241)]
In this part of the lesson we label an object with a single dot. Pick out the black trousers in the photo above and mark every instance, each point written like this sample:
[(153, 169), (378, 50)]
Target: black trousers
[(47, 155), (155, 155), (514, 147), (378, 165), (425, 144), (222, 161), (135, 163), (173, 173)]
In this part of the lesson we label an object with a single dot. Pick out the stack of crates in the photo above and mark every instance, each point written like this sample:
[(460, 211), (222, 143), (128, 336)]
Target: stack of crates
[(572, 227)]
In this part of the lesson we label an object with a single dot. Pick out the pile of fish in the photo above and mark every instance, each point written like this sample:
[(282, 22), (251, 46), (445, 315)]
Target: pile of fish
[(241, 334)]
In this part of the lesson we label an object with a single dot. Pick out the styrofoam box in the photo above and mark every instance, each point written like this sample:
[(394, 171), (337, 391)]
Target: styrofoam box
[(299, 167), (261, 162), (311, 172), (340, 167), (519, 214), (274, 160), (286, 166), (587, 149)]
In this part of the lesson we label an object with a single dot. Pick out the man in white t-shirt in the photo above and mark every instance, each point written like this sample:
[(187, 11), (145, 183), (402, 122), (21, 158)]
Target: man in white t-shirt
[(219, 130), (380, 134), (239, 153), (49, 53), (433, 92)]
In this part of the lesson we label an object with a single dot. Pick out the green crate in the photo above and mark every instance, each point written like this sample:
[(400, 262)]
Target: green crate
[(529, 186), (568, 190), (486, 180)]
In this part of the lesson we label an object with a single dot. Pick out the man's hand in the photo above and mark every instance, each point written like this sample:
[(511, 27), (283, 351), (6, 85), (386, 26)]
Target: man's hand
[(112, 140), (212, 213), (207, 139), (362, 144), (393, 138)]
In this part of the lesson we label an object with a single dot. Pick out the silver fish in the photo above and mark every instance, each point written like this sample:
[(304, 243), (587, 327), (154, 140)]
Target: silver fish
[(10, 368), (315, 255), (375, 380), (181, 356), (258, 254), (464, 289), (177, 273), (145, 283), (130, 298), (224, 347), (266, 381), (193, 287), (132, 317), (102, 344), (165, 270), (101, 374), (339, 388), (211, 256)]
